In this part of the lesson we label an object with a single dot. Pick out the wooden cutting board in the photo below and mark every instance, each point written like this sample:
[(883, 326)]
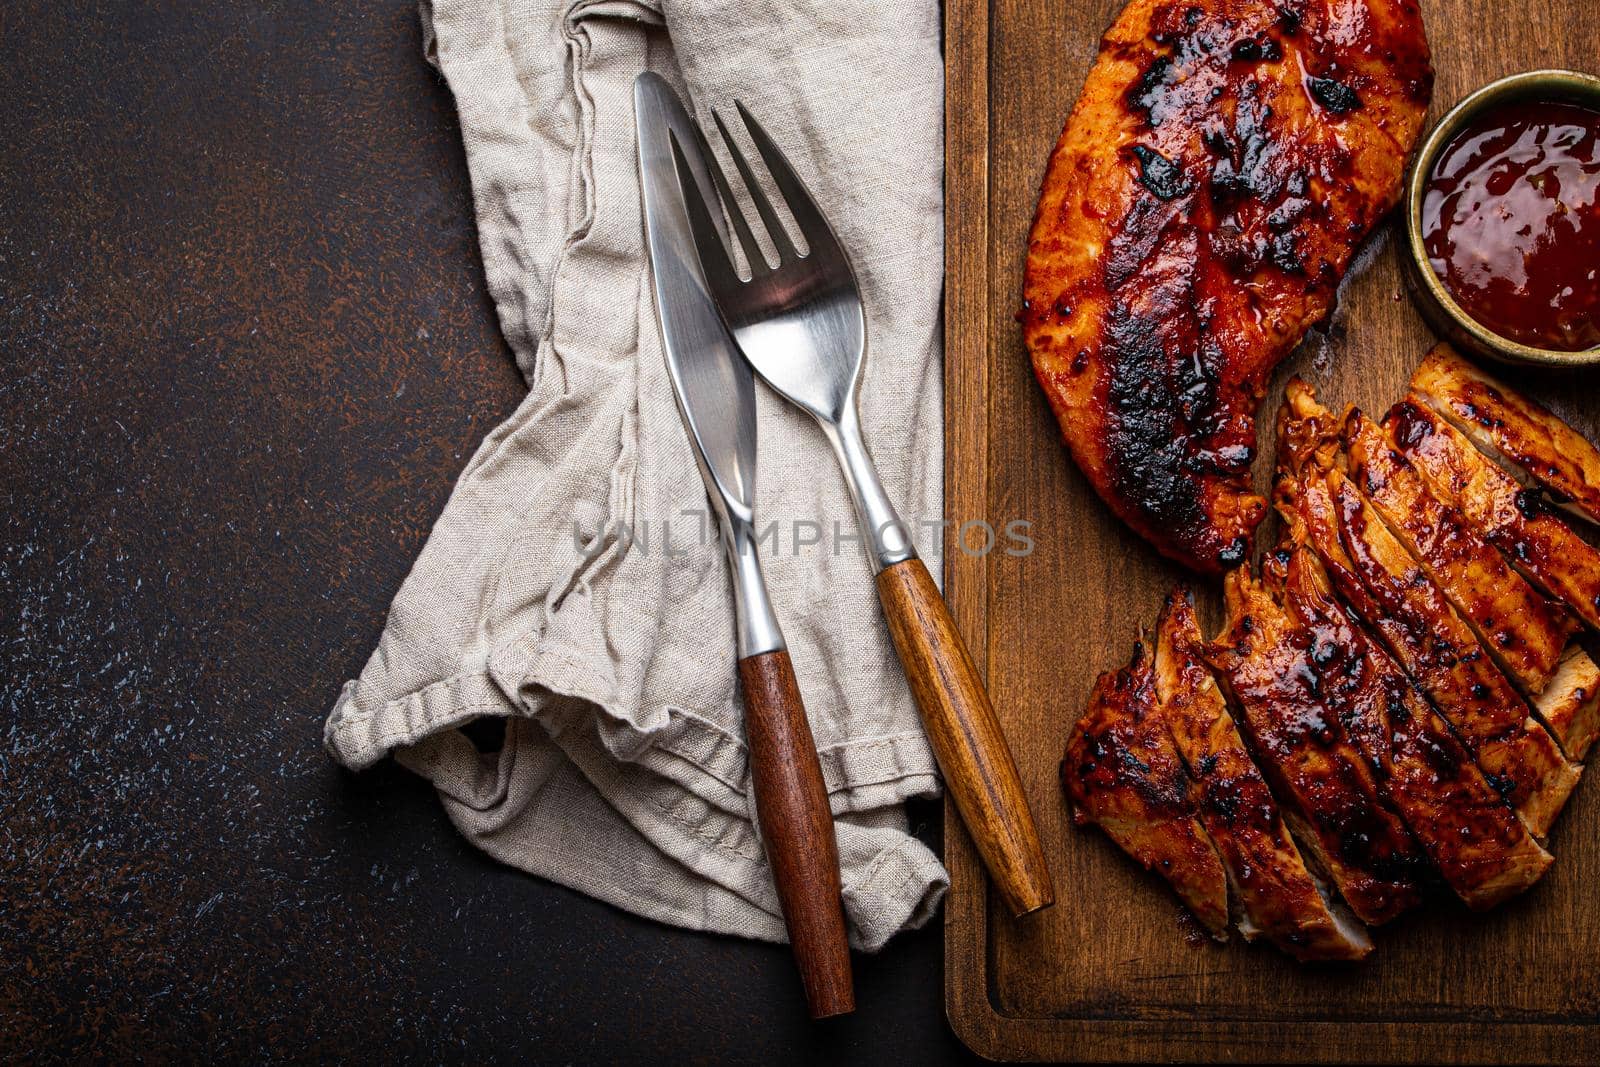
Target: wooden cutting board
[(1112, 972)]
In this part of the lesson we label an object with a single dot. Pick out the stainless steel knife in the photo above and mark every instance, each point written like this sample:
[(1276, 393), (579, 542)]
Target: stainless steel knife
[(716, 397)]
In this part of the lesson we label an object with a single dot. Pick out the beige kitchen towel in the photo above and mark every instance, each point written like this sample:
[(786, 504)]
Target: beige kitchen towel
[(573, 584)]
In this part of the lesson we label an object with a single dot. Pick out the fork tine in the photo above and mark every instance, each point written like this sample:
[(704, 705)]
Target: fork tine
[(808, 217), (714, 261), (769, 218), (741, 226)]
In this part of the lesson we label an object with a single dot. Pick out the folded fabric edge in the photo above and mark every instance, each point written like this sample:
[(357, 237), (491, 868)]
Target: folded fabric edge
[(899, 886), (861, 774), (901, 890)]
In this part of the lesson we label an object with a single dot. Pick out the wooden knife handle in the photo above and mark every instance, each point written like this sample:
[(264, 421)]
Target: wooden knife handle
[(966, 737), (797, 828)]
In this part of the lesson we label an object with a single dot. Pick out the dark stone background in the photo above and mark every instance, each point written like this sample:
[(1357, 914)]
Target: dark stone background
[(246, 350)]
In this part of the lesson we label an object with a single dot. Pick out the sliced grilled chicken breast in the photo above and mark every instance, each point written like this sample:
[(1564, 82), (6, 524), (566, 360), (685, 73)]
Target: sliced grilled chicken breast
[(1464, 826), (1329, 791), (1123, 774), (1521, 435), (1221, 166), (1386, 586), (1510, 517), (1275, 896), (1524, 632), (1570, 704), (1381, 581)]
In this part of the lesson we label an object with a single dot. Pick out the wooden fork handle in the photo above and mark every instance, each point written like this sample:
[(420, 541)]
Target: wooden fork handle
[(966, 737), (797, 828)]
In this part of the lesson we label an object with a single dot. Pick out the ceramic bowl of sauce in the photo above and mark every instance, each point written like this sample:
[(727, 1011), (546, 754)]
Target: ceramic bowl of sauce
[(1503, 220)]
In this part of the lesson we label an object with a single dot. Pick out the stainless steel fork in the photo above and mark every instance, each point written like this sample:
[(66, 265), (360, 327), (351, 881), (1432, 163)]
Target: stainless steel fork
[(802, 326)]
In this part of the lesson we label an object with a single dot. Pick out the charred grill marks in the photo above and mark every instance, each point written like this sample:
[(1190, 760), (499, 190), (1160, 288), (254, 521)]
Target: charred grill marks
[(1159, 174), (1122, 773), (1334, 95), (1215, 256), (1269, 881), (1306, 752), (1360, 667)]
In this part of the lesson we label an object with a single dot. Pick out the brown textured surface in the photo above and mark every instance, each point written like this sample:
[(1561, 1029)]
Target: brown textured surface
[(797, 830), (979, 769), (245, 353), (1105, 973)]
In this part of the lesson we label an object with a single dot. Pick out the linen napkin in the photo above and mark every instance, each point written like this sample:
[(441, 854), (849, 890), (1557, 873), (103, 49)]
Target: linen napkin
[(574, 585)]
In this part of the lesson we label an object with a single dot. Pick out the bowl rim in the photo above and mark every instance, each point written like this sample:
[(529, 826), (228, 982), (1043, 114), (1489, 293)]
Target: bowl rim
[(1554, 83)]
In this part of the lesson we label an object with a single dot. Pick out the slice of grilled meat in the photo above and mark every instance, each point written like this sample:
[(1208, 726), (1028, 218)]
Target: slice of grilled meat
[(1571, 703), (1525, 632), (1381, 581), (1331, 799), (1385, 585), (1123, 774), (1464, 826), (1512, 518), (1524, 437), (1275, 896), (1222, 164)]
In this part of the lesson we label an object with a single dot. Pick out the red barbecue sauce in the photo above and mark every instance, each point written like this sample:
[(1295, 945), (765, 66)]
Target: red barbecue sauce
[(1511, 222)]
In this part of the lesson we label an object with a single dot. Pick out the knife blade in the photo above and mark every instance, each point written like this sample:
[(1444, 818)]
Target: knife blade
[(715, 392), (715, 389)]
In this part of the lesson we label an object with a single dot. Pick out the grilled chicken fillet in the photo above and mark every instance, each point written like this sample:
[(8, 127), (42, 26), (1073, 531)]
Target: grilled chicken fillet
[(1123, 774), (1384, 584), (1512, 518), (1275, 896), (1223, 162), (1463, 825), (1528, 636), (1525, 632), (1524, 437), (1331, 799)]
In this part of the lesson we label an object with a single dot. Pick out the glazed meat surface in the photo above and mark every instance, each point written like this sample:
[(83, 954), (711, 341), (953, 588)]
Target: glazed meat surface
[(1276, 896), (1528, 636), (1123, 774), (1512, 518), (1268, 663), (1222, 164), (1403, 689), (1385, 585), (1382, 583), (1463, 825), (1524, 631), (1508, 426)]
